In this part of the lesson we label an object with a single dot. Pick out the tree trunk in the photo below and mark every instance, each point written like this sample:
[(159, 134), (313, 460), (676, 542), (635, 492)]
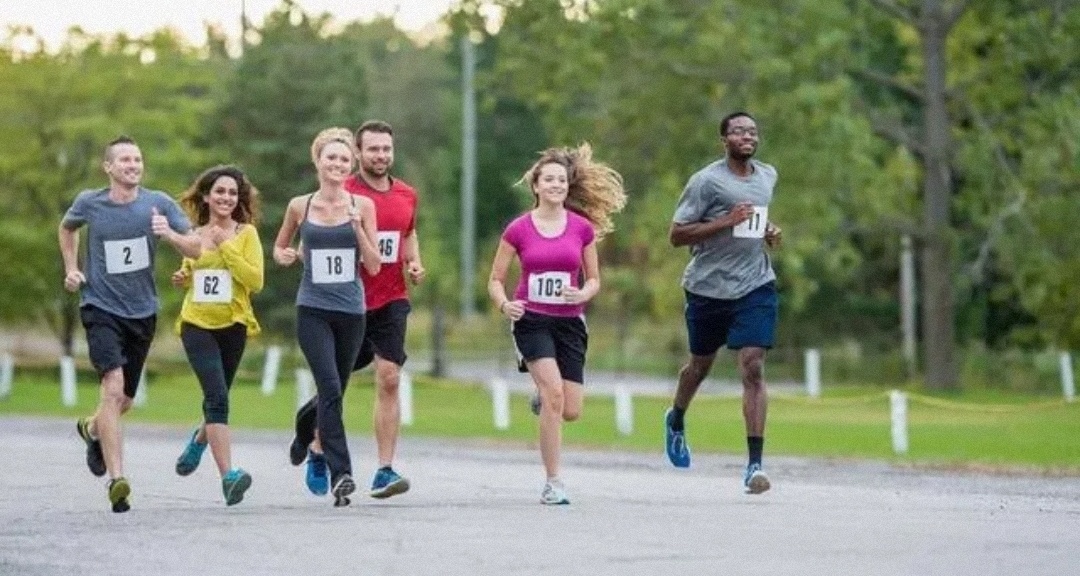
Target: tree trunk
[(938, 307)]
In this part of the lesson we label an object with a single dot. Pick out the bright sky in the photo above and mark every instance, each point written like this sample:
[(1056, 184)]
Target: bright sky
[(51, 20)]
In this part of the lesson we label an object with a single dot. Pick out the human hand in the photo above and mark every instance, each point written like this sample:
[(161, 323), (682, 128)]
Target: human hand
[(740, 213), (159, 224), (73, 280), (180, 278), (513, 309), (416, 271), (773, 235), (285, 256), (573, 295)]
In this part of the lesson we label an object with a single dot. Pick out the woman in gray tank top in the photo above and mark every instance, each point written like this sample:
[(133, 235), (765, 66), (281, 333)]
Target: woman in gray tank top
[(337, 232)]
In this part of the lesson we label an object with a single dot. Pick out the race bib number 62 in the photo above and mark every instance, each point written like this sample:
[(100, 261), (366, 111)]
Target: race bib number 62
[(547, 287), (212, 286)]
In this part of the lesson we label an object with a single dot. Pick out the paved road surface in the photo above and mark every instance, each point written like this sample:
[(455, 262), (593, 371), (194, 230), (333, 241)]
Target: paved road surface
[(474, 510)]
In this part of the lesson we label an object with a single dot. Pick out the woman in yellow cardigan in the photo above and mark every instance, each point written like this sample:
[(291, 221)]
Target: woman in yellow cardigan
[(217, 318)]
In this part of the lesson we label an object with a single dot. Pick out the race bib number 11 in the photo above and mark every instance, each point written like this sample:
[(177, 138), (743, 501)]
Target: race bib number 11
[(754, 226), (547, 287)]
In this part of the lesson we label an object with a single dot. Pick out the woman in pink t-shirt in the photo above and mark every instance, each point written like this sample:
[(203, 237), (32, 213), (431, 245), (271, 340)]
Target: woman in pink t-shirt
[(555, 243)]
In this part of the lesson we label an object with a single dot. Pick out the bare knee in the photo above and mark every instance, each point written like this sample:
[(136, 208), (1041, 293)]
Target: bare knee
[(388, 379), (696, 369), (752, 367), (112, 390)]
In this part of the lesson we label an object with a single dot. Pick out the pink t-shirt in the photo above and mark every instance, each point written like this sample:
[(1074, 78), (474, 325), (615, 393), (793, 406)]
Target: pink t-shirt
[(549, 264)]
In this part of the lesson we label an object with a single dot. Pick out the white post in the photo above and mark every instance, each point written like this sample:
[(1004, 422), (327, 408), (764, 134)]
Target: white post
[(500, 403), (813, 373), (69, 394), (624, 410), (907, 304), (1068, 385), (898, 405), (405, 395), (7, 374), (270, 370), (140, 392), (305, 384)]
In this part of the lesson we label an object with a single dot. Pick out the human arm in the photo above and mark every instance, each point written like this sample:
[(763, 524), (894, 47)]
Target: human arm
[(413, 267), (364, 225), (512, 309), (244, 258), (164, 226), (182, 277), (69, 251), (591, 264), (773, 235), (684, 234), (284, 254)]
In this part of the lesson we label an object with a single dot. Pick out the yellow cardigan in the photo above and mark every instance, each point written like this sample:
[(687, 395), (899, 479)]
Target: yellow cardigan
[(242, 256)]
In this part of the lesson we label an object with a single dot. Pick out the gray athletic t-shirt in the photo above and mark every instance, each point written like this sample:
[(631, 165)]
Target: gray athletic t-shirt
[(120, 249), (733, 262)]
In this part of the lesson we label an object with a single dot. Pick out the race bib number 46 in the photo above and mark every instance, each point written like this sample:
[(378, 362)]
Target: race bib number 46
[(754, 226), (389, 243), (547, 287), (122, 256), (212, 286), (333, 266)]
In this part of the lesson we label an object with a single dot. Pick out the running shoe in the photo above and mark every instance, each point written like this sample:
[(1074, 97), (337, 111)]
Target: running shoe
[(191, 456), (554, 494), (318, 474), (343, 486), (234, 484), (534, 404), (388, 483), (95, 458), (119, 492), (675, 442), (754, 479)]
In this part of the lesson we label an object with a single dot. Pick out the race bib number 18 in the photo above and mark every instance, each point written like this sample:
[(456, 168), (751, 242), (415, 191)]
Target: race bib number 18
[(754, 226), (388, 246), (547, 287), (212, 286), (122, 256), (333, 266)]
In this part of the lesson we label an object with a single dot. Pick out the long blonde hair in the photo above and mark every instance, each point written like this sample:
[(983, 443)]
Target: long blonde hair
[(595, 189)]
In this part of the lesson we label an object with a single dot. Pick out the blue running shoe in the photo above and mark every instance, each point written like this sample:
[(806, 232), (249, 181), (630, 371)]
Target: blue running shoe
[(387, 483), (675, 443), (234, 484), (535, 404), (318, 474), (191, 456), (754, 479)]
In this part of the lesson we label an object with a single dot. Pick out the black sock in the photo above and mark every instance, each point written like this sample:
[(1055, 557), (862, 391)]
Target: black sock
[(755, 444), (387, 468), (677, 423)]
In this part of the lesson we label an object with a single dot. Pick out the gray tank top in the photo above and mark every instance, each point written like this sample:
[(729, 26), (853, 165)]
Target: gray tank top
[(331, 255)]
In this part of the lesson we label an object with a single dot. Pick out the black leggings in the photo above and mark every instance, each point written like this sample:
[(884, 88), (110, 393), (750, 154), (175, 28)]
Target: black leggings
[(330, 341), (214, 355)]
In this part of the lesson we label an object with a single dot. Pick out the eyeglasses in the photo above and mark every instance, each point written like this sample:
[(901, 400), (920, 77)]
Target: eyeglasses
[(741, 131)]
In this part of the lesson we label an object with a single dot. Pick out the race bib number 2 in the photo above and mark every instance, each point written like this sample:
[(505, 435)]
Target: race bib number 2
[(212, 286), (389, 243), (547, 287), (122, 256), (754, 226), (333, 265)]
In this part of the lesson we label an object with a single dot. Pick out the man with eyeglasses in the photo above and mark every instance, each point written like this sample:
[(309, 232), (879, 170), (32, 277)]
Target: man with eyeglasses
[(729, 283)]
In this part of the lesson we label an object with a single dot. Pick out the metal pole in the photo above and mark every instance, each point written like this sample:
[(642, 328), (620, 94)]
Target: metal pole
[(468, 180)]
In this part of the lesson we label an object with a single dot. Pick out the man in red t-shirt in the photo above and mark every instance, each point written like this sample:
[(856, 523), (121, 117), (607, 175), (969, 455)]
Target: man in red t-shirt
[(387, 301)]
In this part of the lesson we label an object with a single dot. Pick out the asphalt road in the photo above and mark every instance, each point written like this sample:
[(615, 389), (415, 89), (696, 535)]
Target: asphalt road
[(474, 509)]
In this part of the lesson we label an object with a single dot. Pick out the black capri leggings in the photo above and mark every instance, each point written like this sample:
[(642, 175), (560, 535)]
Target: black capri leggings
[(331, 342), (214, 355)]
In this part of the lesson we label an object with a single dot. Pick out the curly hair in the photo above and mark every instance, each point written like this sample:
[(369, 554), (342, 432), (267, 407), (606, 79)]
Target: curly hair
[(329, 135), (595, 189), (247, 204)]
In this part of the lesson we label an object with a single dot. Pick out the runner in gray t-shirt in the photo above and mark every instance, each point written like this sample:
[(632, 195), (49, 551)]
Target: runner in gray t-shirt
[(118, 303), (723, 216)]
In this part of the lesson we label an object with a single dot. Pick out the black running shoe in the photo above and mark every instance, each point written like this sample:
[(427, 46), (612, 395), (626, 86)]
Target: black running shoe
[(95, 459)]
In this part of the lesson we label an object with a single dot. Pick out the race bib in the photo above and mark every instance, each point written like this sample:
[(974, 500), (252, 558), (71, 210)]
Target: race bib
[(754, 226), (388, 246), (333, 266), (122, 256), (547, 287), (212, 286)]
